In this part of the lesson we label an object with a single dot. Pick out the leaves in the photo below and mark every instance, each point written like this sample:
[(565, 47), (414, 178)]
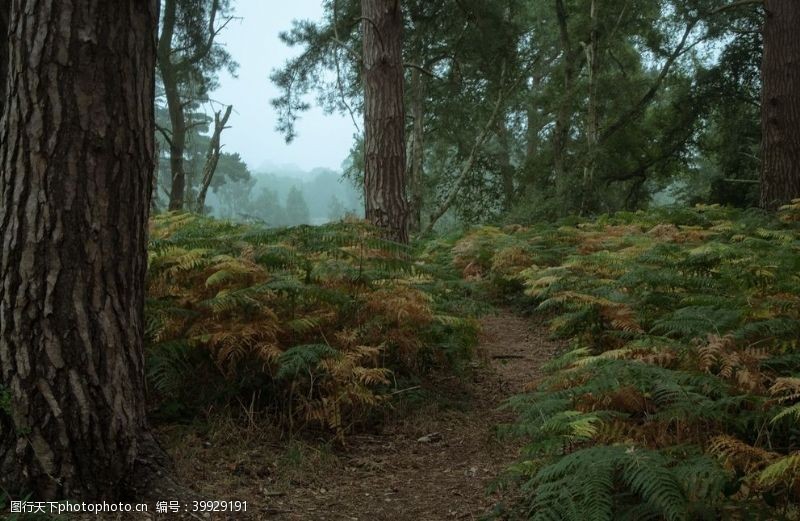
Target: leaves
[(313, 321), (684, 369)]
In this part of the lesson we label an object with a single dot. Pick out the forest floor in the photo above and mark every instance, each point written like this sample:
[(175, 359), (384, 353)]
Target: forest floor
[(435, 463)]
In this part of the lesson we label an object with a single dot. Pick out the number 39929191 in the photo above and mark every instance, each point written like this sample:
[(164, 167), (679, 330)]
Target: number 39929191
[(219, 506)]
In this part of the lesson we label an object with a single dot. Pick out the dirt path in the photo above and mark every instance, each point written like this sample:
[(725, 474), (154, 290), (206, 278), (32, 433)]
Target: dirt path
[(434, 465)]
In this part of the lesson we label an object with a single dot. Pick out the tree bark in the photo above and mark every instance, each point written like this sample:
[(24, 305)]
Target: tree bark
[(5, 11), (212, 157), (780, 107), (384, 118), (76, 160)]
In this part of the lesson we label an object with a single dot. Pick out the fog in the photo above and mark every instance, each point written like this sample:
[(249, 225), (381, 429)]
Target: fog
[(323, 140)]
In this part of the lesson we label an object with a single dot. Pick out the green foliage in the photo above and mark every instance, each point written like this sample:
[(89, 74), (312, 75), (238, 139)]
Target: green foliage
[(312, 324), (679, 399)]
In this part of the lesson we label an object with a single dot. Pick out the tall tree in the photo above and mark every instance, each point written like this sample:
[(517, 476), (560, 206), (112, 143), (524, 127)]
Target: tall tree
[(296, 209), (188, 58), (384, 118), (780, 106), (76, 159)]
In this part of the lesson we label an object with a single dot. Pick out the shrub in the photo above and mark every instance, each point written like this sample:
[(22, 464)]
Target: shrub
[(313, 324), (680, 398)]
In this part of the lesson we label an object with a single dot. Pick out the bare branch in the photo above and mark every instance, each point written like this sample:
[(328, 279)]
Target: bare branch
[(734, 5), (422, 70), (637, 107), (467, 167), (339, 82), (212, 156), (165, 133)]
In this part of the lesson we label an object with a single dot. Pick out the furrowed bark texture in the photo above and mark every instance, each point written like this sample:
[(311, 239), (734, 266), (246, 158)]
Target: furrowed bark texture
[(76, 159), (780, 107), (384, 118), (5, 9)]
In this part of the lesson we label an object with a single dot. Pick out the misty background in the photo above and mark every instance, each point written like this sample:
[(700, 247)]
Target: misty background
[(260, 176)]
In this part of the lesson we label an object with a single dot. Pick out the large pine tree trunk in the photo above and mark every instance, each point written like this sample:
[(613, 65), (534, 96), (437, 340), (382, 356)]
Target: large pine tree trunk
[(76, 159), (780, 107), (384, 121)]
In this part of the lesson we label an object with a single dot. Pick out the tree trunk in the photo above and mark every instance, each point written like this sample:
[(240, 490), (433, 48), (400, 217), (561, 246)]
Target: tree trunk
[(75, 170), (562, 127), (154, 207), (177, 118), (507, 170), (212, 157), (592, 118), (467, 166), (5, 9), (384, 118), (417, 148), (780, 107)]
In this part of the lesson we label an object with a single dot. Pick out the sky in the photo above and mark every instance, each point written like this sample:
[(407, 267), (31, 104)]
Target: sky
[(322, 141)]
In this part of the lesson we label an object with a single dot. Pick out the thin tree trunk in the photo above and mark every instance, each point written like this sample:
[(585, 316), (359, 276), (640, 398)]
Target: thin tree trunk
[(75, 180), (533, 177), (506, 168), (417, 148), (467, 166), (780, 107), (592, 121), (177, 118), (384, 118), (563, 119), (154, 207), (212, 157)]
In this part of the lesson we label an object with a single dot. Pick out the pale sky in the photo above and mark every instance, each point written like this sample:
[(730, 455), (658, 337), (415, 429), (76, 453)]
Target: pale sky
[(323, 140)]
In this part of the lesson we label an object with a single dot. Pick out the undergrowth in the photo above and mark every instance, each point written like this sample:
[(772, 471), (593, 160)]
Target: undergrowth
[(316, 327), (680, 397)]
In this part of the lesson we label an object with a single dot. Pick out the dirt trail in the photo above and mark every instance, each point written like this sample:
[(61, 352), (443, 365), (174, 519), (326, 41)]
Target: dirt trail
[(434, 465), (438, 467)]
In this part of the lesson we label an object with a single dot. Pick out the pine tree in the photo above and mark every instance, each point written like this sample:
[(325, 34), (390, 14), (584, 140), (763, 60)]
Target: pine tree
[(76, 157), (780, 106), (384, 118), (296, 208)]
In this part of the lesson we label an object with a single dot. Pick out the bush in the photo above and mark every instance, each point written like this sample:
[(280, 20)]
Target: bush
[(312, 324), (680, 398)]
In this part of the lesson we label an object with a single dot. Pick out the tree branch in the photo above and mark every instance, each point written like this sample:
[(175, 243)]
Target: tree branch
[(734, 5), (637, 108), (467, 167), (165, 133), (421, 69)]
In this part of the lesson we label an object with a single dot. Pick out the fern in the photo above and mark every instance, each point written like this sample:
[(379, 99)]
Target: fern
[(312, 321), (685, 326)]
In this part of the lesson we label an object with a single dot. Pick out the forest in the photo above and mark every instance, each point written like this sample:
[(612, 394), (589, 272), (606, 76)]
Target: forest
[(557, 276)]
